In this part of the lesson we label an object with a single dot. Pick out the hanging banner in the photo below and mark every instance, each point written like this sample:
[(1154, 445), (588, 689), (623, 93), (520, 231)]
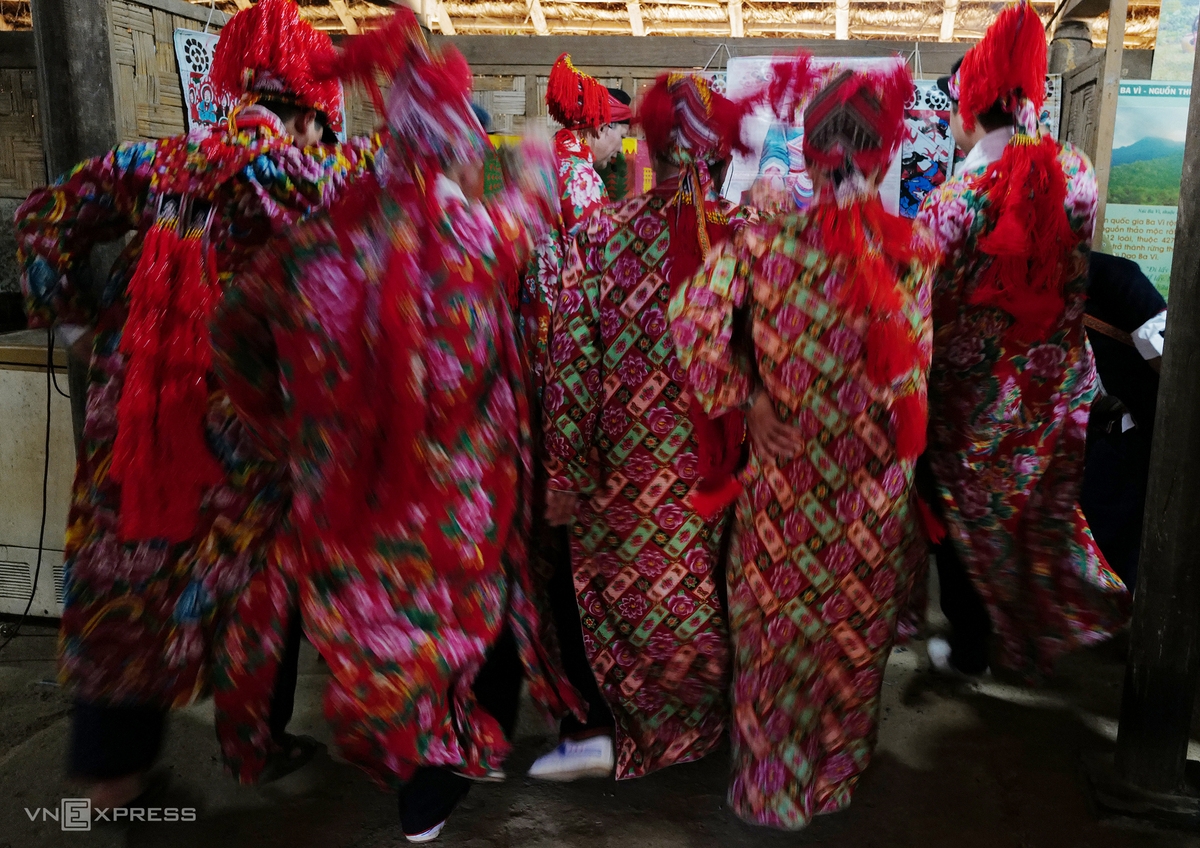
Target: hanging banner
[(927, 147), (1147, 166), (194, 53), (777, 157), (1175, 43), (202, 105)]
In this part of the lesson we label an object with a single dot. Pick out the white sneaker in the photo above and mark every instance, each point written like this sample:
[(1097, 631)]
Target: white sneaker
[(428, 836), (573, 760), (939, 655)]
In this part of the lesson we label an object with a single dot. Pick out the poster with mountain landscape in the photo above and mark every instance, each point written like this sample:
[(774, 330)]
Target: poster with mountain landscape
[(1147, 165)]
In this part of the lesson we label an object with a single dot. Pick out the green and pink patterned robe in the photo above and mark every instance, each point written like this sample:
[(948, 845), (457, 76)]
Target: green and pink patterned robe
[(826, 543)]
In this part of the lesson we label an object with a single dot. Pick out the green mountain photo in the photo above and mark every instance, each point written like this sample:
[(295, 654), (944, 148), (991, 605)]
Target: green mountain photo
[(1149, 182)]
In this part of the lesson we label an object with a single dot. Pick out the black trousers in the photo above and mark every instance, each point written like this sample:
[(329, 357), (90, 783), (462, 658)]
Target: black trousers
[(565, 607), (113, 741), (433, 792), (970, 623)]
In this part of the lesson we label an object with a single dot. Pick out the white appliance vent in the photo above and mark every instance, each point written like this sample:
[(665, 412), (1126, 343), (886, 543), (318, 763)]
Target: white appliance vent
[(16, 580)]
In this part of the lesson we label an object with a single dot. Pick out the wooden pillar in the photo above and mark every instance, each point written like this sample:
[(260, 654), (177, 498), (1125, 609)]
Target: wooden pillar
[(78, 114), (1164, 651), (1114, 47)]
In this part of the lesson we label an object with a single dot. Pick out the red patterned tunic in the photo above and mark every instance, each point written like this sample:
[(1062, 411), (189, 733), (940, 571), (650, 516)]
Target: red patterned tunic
[(825, 544), (140, 618), (618, 433), (392, 291), (1008, 421)]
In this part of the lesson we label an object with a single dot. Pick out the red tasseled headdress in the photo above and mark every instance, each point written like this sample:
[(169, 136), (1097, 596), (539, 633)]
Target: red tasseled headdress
[(269, 50), (1007, 65), (855, 123), (428, 103), (1031, 241), (577, 100), (686, 121)]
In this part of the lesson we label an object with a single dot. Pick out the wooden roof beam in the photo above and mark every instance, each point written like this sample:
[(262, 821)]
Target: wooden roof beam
[(841, 20), (428, 11), (949, 15), (537, 17), (736, 29), (343, 12), (635, 17)]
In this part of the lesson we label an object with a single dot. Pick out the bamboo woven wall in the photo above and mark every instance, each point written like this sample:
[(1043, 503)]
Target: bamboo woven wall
[(149, 94), (22, 161)]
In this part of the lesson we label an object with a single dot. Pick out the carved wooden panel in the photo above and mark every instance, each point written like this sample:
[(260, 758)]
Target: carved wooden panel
[(1081, 103)]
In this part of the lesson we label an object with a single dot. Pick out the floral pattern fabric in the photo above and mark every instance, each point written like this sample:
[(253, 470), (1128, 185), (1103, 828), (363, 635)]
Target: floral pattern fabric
[(140, 620), (406, 621), (618, 434), (581, 192), (1008, 420), (825, 544)]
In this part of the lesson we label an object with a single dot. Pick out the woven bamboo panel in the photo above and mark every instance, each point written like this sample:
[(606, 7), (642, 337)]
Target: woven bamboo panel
[(149, 96), (361, 118), (22, 162), (504, 99)]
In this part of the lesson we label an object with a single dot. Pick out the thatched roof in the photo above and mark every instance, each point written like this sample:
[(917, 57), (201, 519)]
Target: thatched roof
[(931, 20)]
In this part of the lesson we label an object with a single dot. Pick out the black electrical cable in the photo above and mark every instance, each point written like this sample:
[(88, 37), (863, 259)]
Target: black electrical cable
[(13, 630)]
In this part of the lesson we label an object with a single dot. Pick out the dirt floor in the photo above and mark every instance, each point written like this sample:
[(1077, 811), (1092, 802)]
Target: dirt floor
[(958, 766)]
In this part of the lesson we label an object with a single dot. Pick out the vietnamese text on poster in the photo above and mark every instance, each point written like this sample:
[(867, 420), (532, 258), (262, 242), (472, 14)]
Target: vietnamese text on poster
[(1147, 165)]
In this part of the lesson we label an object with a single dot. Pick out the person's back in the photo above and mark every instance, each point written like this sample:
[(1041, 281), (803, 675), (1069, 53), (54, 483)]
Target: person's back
[(1013, 377)]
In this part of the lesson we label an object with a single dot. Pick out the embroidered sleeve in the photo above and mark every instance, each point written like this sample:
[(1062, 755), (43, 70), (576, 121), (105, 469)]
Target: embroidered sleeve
[(56, 227), (571, 399), (702, 317)]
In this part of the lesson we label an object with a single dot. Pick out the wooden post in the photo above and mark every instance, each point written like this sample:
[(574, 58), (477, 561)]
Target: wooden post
[(1113, 50), (1164, 650), (78, 114)]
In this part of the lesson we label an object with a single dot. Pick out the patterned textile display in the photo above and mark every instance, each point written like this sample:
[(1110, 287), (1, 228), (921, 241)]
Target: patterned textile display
[(1013, 376), (834, 304), (618, 433), (374, 351), (139, 616)]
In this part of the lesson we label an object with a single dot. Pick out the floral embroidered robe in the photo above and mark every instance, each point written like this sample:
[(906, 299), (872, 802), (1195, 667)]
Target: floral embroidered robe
[(618, 434), (140, 618), (581, 192), (1008, 421), (824, 545), (406, 622)]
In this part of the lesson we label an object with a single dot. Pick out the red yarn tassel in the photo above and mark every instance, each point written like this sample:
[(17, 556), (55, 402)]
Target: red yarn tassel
[(575, 99), (710, 503), (910, 419), (935, 529)]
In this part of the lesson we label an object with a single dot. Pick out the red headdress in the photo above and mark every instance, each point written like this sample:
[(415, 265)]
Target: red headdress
[(686, 121), (1031, 241), (268, 50), (428, 103), (853, 126), (579, 101)]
